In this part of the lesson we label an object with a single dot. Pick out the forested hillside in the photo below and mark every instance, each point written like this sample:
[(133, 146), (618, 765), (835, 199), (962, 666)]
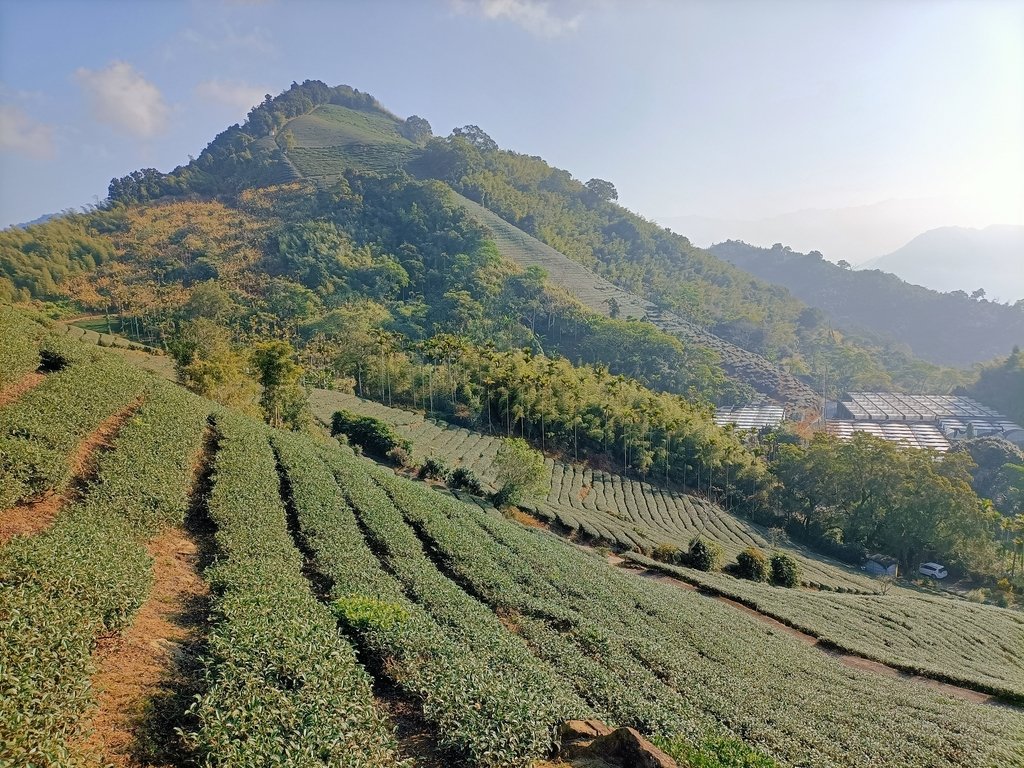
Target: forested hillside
[(320, 132), (944, 328), (1001, 383)]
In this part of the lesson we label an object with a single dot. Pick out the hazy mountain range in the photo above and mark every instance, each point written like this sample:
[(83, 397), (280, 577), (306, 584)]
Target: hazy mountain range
[(962, 259)]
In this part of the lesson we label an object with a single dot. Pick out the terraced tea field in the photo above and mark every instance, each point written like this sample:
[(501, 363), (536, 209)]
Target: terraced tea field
[(332, 138), (621, 512), (332, 581), (979, 646), (595, 292)]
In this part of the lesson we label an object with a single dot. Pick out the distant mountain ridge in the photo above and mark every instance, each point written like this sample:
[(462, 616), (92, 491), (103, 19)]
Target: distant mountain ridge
[(943, 328), (962, 259)]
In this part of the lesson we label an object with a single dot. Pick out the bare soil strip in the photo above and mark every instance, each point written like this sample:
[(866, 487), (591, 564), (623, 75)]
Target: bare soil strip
[(147, 676), (13, 391), (137, 666), (417, 739), (33, 516)]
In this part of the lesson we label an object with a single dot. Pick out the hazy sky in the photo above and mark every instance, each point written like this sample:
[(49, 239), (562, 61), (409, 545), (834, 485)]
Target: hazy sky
[(735, 112)]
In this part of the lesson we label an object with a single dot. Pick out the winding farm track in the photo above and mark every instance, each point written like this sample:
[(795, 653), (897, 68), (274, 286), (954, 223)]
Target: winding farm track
[(31, 517)]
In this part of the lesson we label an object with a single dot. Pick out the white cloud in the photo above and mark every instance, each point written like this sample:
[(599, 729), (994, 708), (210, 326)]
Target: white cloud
[(239, 96), (20, 133), (120, 96), (534, 16)]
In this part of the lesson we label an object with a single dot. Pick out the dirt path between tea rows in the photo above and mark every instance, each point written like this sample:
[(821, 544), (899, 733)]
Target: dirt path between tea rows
[(32, 517)]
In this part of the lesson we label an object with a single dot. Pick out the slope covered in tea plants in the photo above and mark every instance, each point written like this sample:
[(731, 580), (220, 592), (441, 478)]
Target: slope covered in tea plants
[(606, 507), (691, 672), (331, 577), (944, 638)]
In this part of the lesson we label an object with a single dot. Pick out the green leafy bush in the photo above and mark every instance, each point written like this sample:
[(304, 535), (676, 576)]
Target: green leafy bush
[(466, 479), (704, 555), (375, 436), (751, 564), (363, 613), (433, 469), (666, 553), (785, 570)]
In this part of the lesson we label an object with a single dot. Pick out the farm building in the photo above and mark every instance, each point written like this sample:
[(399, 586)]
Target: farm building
[(923, 421), (915, 435), (881, 565), (751, 416)]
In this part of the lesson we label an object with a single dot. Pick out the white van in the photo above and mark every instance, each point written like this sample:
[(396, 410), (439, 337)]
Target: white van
[(933, 570)]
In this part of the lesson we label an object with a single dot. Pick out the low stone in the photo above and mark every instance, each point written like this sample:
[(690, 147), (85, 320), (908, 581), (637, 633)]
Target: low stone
[(582, 730), (623, 747)]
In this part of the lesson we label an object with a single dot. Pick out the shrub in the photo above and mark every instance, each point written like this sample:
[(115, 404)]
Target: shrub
[(751, 564), (433, 469), (463, 477), (400, 456), (785, 571), (375, 436), (364, 613), (521, 472), (704, 555), (666, 553)]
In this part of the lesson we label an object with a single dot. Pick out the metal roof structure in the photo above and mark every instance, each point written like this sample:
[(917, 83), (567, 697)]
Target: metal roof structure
[(892, 406), (915, 434), (954, 416), (751, 416)]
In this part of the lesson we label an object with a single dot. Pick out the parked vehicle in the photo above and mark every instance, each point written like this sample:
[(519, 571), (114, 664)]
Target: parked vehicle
[(933, 570)]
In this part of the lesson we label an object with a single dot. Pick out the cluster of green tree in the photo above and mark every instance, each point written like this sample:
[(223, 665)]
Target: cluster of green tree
[(581, 411), (868, 494), (264, 379), (35, 260), (584, 222), (1001, 385), (320, 256), (951, 329), (998, 473)]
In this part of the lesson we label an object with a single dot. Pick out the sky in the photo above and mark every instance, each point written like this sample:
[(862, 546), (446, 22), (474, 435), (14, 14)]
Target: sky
[(844, 126)]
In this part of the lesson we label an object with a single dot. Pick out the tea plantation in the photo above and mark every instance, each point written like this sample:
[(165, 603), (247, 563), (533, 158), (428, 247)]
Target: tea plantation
[(338, 589)]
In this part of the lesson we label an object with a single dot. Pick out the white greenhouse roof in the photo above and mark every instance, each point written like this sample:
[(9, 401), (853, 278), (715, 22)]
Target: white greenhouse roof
[(916, 435), (751, 416), (892, 406)]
